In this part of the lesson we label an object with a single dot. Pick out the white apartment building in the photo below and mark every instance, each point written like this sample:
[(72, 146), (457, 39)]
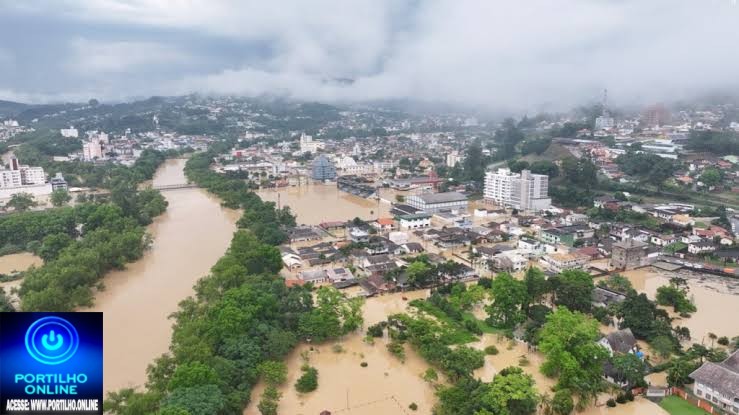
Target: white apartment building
[(32, 175), (308, 145), (453, 158), (10, 178), (70, 132), (523, 191), (92, 150)]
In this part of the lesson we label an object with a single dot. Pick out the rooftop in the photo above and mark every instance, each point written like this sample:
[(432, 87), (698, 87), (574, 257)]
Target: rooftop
[(431, 198)]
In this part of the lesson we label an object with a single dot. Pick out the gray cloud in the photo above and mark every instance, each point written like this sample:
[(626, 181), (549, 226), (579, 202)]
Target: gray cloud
[(488, 54)]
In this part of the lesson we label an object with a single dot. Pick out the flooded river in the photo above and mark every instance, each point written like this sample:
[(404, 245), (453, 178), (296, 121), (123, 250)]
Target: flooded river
[(188, 239), (316, 203)]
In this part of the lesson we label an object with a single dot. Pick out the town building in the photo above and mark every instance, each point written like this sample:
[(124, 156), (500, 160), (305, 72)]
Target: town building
[(628, 254), (58, 183), (523, 191), (414, 221), (561, 262), (309, 145), (70, 132), (438, 202), (323, 169), (453, 158), (92, 150), (718, 383)]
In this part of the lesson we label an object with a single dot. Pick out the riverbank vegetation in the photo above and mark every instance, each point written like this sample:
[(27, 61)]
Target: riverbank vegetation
[(241, 316), (80, 244)]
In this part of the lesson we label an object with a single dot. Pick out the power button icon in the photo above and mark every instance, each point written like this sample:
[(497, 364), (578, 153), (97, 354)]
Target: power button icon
[(52, 340)]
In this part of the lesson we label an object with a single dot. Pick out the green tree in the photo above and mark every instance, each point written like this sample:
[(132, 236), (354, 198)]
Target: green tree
[(21, 202), (418, 273), (562, 403), (509, 297), (512, 392), (193, 374), (273, 372), (536, 285), (574, 290), (630, 367), (60, 197), (569, 342), (710, 177), (308, 382)]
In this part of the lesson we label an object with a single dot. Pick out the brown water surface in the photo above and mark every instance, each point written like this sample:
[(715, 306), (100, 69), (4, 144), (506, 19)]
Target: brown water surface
[(717, 298), (188, 239), (316, 203)]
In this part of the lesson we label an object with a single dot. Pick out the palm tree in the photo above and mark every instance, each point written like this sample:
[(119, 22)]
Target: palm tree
[(545, 405), (713, 338)]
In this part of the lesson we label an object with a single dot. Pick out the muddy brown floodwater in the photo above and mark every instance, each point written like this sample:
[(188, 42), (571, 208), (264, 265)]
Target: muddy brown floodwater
[(188, 239), (716, 298), (316, 203), (386, 386)]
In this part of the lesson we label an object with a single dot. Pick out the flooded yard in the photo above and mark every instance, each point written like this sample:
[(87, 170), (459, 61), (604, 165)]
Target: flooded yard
[(18, 262), (316, 203), (386, 386), (715, 297)]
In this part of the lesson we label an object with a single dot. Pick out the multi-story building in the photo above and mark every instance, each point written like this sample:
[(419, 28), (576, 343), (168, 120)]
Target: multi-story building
[(562, 262), (323, 169), (437, 202), (10, 178), (58, 183), (628, 254), (453, 158), (92, 150), (309, 145), (523, 191), (32, 175)]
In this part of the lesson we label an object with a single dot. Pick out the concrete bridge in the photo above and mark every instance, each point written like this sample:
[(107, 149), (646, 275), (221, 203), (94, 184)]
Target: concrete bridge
[(164, 187)]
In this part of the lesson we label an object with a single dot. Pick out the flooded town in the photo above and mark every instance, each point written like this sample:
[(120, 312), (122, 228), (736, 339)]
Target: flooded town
[(361, 208)]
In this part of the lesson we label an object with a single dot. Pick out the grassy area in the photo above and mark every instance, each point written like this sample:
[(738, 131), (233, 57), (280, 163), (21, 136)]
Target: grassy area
[(678, 406), (457, 330)]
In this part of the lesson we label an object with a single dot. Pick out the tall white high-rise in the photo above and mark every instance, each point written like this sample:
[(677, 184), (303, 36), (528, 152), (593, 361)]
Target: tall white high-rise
[(523, 191)]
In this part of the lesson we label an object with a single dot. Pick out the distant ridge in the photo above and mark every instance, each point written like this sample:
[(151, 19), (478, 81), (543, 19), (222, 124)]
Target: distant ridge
[(10, 108)]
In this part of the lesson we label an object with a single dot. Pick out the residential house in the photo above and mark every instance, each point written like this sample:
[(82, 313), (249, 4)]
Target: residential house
[(339, 274), (620, 341), (603, 297), (559, 262), (315, 276), (701, 247), (566, 235), (718, 383), (414, 221)]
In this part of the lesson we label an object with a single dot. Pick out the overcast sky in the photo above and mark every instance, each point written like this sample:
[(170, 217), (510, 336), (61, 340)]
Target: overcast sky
[(514, 54)]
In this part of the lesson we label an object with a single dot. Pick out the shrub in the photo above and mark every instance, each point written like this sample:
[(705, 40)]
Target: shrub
[(397, 349), (376, 330), (308, 382), (610, 403), (629, 396), (430, 375), (413, 406), (621, 398), (723, 340), (491, 350), (363, 364)]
